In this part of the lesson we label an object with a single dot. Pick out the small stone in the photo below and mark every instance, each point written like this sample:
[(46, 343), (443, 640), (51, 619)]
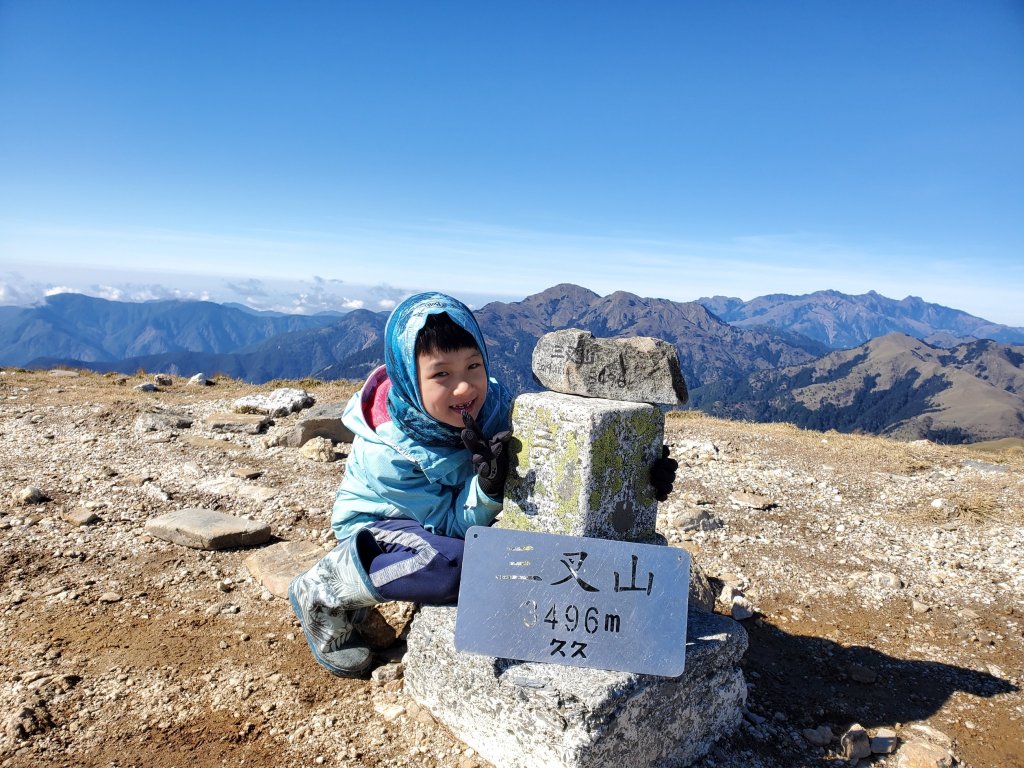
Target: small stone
[(29, 495), (884, 580), (389, 712), (820, 737), (387, 673), (319, 449), (884, 741), (80, 516), (923, 754), (855, 743), (752, 500), (199, 380), (246, 473), (146, 386), (918, 607), (741, 608), (163, 380), (861, 674), (109, 597)]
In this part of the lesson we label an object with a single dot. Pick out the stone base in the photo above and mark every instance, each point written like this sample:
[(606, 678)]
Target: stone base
[(531, 715)]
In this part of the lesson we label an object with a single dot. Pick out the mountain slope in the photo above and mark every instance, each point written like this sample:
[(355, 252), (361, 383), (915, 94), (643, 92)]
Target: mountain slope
[(894, 385), (842, 321)]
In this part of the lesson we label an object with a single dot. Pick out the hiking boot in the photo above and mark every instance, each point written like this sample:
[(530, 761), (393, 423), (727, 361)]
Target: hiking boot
[(331, 635), (330, 598)]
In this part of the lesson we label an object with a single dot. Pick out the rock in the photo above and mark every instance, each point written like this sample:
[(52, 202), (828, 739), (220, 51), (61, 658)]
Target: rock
[(199, 380), (702, 594), (919, 607), (233, 486), (245, 473), (855, 743), (146, 386), (211, 443), (163, 380), (29, 495), (60, 373), (207, 529), (885, 580), (243, 423), (884, 741), (323, 420), (389, 712), (319, 449), (922, 731), (279, 402), (275, 566), (387, 673), (741, 608), (524, 714), (81, 516), (861, 674), (752, 500), (701, 520), (821, 736), (109, 597), (386, 624), (580, 466), (27, 720), (923, 754), (639, 369), (160, 421)]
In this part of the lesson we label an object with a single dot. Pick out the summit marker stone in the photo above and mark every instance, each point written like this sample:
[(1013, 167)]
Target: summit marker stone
[(580, 467), (640, 369)]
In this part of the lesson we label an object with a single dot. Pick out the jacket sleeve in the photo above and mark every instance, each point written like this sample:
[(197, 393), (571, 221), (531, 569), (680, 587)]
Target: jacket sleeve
[(449, 510)]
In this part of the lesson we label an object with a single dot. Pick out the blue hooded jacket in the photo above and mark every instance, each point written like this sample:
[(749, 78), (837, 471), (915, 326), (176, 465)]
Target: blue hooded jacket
[(414, 467)]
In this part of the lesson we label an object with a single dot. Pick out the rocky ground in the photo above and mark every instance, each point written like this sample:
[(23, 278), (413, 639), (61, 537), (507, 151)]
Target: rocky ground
[(884, 579)]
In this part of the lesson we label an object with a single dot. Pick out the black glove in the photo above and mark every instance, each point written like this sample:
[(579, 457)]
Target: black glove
[(490, 458), (663, 474)]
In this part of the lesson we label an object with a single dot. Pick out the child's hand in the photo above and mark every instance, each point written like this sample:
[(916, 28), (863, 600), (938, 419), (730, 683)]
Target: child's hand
[(663, 474), (490, 458)]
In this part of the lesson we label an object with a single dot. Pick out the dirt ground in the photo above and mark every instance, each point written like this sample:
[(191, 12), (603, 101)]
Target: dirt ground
[(886, 580)]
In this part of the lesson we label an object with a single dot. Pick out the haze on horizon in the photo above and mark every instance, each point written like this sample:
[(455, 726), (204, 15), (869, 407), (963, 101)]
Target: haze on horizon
[(334, 155)]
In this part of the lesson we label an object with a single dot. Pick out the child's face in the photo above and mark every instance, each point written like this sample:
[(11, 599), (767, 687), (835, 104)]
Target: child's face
[(452, 382)]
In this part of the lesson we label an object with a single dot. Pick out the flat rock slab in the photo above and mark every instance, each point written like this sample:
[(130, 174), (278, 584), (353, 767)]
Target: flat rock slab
[(640, 369), (581, 466), (322, 420), (161, 421), (275, 566), (280, 402), (233, 486), (534, 715), (243, 423), (207, 529), (209, 442)]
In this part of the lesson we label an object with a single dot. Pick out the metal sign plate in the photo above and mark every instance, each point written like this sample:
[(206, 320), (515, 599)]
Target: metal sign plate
[(574, 600)]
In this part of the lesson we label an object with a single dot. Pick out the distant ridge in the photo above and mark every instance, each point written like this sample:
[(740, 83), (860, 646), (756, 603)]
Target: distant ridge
[(842, 321), (894, 384)]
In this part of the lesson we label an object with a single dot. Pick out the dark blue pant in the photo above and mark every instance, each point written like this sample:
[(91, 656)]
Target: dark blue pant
[(414, 564)]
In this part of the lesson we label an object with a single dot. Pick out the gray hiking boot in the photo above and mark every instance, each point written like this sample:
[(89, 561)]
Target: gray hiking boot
[(329, 599)]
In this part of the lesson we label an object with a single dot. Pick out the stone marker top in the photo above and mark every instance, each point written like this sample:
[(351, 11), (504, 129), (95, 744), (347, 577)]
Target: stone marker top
[(640, 369)]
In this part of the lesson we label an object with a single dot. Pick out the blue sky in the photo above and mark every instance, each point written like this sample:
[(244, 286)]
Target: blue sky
[(321, 155)]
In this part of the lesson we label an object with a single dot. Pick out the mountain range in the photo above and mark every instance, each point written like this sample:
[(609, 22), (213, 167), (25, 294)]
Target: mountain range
[(925, 375)]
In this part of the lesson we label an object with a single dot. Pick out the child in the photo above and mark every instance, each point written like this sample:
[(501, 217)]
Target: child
[(429, 461)]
